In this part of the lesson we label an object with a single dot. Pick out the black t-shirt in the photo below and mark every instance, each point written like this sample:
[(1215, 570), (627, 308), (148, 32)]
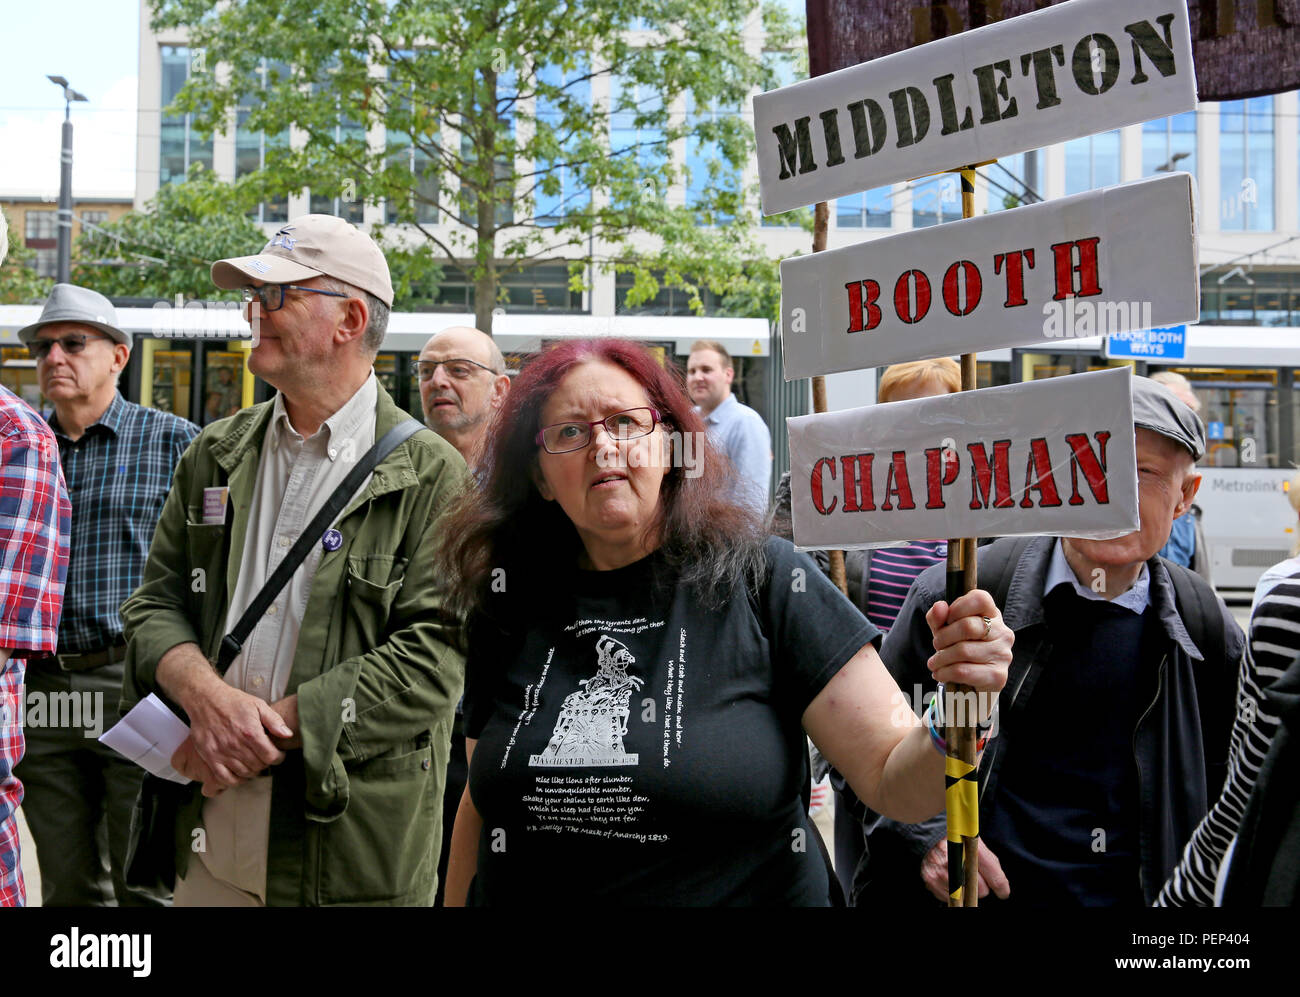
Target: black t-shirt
[(636, 748)]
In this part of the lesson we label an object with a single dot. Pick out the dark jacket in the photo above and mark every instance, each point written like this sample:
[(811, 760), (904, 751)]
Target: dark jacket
[(1180, 743)]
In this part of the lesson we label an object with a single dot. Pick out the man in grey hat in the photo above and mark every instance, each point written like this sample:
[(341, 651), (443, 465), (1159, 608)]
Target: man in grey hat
[(322, 749), (1114, 727), (118, 459)]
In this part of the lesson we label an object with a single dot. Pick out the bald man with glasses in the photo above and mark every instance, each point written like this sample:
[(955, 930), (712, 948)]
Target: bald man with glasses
[(463, 383)]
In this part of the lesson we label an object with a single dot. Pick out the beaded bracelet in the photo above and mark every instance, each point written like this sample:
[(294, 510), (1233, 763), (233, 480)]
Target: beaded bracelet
[(932, 725)]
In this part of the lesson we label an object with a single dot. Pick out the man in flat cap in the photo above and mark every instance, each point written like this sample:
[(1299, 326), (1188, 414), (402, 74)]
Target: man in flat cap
[(118, 459), (35, 523), (1113, 730), (321, 750)]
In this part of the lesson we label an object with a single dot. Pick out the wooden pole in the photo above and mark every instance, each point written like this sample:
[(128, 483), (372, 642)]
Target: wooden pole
[(962, 787), (821, 223)]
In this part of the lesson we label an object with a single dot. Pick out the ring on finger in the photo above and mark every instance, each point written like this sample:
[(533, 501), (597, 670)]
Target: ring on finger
[(988, 625)]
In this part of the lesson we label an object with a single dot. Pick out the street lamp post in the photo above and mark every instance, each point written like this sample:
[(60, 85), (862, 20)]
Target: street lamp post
[(65, 180)]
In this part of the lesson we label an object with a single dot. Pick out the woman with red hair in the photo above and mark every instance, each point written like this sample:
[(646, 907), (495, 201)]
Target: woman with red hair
[(644, 662)]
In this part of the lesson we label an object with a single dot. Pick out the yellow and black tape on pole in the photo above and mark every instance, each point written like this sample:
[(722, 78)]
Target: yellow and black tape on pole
[(961, 785)]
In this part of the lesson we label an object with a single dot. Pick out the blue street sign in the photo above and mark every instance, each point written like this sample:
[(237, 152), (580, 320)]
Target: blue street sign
[(1167, 343)]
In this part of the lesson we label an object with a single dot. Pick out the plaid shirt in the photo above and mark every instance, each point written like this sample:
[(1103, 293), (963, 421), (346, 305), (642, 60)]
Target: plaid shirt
[(118, 474), (35, 523)]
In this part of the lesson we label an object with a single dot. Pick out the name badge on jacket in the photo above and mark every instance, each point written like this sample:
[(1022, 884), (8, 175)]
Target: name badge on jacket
[(214, 505)]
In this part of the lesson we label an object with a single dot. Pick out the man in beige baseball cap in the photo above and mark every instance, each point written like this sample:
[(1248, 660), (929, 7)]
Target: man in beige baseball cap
[(320, 749)]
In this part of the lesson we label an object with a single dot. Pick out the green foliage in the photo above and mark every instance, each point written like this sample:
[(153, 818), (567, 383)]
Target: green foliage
[(19, 283), (170, 246), (486, 114)]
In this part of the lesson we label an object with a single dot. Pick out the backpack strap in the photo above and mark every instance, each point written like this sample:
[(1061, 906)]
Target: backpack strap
[(1216, 679), (1198, 606), (233, 642)]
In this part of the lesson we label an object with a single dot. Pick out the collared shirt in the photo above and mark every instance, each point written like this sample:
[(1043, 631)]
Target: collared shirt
[(118, 474), (35, 523), (1059, 572), (739, 432), (295, 477)]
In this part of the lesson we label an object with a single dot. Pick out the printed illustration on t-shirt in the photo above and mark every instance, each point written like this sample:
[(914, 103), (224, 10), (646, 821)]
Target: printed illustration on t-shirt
[(593, 720)]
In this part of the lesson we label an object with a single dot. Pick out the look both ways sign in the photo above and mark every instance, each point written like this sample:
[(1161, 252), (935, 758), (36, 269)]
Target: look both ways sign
[(1047, 457), (1094, 264), (1069, 70)]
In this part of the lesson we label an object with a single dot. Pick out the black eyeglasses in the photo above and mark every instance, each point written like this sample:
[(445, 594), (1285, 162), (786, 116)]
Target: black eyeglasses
[(457, 368), (71, 344), (632, 424), (272, 295)]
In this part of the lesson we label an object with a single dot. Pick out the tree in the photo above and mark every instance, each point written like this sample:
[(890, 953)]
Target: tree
[(475, 124), (170, 246), (19, 282)]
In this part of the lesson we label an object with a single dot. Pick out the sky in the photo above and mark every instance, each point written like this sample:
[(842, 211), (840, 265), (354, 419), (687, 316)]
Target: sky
[(94, 44)]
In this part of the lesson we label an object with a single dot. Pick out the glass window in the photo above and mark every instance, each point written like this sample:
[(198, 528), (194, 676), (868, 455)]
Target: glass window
[(1037, 366), (1246, 165), (46, 263), (936, 199), (1014, 180), (1169, 145), (223, 382), (181, 145), (251, 148), (541, 288), (173, 366), (346, 199), (784, 65), (992, 373), (41, 224), (406, 154), (507, 91), (870, 209), (631, 134), (18, 374), (93, 217), (707, 172), (1239, 409), (669, 300), (561, 191), (1092, 162)]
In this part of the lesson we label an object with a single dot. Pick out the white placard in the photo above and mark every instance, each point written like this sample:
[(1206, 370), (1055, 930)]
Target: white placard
[(1069, 70), (1047, 457), (1099, 263)]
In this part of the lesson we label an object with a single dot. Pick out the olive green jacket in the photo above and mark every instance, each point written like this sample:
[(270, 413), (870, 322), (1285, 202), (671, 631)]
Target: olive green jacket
[(356, 815)]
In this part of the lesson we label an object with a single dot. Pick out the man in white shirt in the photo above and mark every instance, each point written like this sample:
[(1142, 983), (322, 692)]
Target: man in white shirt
[(735, 429)]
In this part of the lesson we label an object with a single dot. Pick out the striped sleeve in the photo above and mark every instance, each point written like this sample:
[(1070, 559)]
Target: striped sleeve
[(1273, 645)]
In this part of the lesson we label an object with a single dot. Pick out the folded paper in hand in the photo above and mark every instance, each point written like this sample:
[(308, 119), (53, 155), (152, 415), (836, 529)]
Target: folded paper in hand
[(149, 735)]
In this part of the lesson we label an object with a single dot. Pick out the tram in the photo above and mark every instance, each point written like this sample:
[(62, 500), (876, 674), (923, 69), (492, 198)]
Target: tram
[(193, 361)]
